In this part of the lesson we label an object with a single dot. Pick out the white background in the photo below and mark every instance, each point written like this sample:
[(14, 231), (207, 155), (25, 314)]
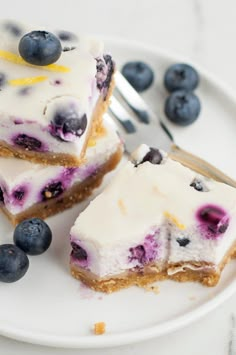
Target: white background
[(202, 30)]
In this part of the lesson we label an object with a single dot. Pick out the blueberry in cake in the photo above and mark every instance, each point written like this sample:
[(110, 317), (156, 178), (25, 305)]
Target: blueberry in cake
[(162, 220)]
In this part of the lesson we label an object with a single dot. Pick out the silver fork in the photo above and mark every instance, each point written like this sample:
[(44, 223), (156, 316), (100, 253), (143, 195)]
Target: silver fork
[(127, 104)]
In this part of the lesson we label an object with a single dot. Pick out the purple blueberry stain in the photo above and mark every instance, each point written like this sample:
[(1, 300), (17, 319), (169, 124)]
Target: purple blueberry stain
[(90, 170), (79, 254), (28, 143), (18, 121), (145, 252), (1, 196), (19, 195), (213, 221), (52, 190), (68, 174), (56, 82), (105, 69)]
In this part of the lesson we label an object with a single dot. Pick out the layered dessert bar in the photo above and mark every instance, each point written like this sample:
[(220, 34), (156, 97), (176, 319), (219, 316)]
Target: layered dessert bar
[(33, 190), (48, 112), (160, 220)]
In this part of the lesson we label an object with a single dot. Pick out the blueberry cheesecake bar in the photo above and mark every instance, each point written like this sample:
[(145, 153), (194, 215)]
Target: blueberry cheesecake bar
[(34, 190), (161, 221), (55, 87)]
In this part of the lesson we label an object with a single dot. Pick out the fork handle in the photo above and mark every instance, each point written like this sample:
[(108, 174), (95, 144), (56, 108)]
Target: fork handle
[(199, 165)]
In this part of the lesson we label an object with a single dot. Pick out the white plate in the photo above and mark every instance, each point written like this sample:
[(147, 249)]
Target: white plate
[(49, 307)]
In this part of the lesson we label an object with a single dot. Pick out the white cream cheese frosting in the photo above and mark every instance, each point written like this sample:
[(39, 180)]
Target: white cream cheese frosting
[(163, 213)]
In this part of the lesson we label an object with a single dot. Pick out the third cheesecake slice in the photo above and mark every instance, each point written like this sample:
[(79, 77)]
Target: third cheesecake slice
[(157, 219)]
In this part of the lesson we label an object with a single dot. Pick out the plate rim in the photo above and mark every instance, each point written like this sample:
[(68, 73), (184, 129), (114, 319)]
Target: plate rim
[(135, 336)]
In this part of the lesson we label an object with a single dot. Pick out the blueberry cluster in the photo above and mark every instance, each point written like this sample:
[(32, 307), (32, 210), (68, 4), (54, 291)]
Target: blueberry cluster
[(182, 106), (33, 237)]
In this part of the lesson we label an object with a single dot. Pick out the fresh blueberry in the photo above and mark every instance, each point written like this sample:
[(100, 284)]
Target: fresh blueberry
[(183, 241), (68, 122), (13, 29), (52, 190), (198, 185), (182, 107), (138, 74), (153, 156), (1, 195), (181, 77), (27, 142), (13, 263), (78, 252), (40, 48), (33, 236)]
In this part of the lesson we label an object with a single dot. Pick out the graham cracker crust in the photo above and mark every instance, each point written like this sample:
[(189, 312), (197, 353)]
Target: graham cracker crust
[(52, 158), (151, 273), (77, 193)]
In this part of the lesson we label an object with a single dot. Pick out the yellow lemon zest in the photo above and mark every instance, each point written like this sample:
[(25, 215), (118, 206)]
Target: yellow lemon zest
[(92, 142), (27, 81), (122, 206), (174, 220), (14, 58)]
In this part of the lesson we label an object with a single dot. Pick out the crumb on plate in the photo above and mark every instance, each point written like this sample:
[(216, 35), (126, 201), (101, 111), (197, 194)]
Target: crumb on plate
[(151, 288), (99, 328)]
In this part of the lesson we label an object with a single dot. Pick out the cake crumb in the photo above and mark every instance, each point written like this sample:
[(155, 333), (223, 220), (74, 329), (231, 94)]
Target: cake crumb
[(122, 206), (99, 328), (151, 288), (48, 194)]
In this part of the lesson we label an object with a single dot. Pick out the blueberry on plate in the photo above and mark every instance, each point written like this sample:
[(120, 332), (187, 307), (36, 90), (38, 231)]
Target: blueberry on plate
[(13, 263), (181, 76), (182, 107), (138, 74), (40, 48), (33, 236)]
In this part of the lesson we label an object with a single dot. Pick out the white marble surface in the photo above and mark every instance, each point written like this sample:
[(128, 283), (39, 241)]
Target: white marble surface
[(203, 30)]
